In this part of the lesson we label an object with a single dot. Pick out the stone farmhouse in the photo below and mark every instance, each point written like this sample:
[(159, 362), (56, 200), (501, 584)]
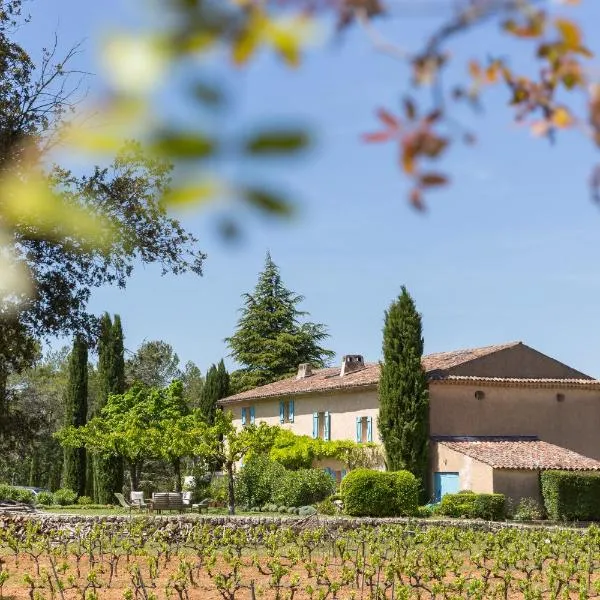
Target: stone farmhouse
[(498, 415)]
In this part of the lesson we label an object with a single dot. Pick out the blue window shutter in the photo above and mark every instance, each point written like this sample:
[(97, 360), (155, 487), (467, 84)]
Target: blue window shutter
[(359, 429), (369, 429), (327, 426), (315, 425), (281, 411), (344, 473), (252, 414), (291, 410), (243, 416)]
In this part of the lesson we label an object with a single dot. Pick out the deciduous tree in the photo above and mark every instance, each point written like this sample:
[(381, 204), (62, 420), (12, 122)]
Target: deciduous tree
[(155, 364)]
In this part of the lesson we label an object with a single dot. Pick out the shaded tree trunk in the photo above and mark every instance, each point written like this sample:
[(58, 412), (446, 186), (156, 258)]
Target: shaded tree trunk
[(230, 487), (135, 471), (177, 468)]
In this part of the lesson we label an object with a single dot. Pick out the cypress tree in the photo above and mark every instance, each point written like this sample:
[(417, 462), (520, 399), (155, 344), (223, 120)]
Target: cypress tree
[(108, 472), (270, 342), (216, 386), (403, 395), (74, 463)]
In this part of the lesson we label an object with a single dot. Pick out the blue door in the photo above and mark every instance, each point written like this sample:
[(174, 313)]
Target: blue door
[(445, 483)]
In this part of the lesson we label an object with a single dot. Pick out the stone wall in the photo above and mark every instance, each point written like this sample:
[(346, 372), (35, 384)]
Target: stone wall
[(179, 526)]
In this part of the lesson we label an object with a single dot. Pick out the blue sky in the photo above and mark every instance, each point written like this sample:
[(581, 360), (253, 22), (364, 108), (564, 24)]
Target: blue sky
[(509, 252)]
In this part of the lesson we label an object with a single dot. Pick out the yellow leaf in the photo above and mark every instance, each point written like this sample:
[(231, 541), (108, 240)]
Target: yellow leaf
[(561, 117), (191, 193), (244, 47), (30, 200), (570, 33)]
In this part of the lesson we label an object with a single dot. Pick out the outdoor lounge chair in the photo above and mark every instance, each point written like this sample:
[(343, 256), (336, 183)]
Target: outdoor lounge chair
[(122, 501), (137, 500)]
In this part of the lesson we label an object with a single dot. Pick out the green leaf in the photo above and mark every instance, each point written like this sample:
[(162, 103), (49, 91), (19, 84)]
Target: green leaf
[(269, 202), (179, 145), (278, 142)]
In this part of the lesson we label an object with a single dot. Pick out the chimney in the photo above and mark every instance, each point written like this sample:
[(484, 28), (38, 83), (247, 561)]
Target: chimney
[(304, 370), (351, 363)]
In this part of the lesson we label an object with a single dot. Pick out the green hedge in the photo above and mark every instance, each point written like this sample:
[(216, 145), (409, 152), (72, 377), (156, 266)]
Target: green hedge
[(303, 487), (8, 492), (371, 493), (491, 507), (571, 496)]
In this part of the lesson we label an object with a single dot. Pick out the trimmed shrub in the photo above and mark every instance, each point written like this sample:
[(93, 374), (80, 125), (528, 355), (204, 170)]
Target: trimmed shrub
[(44, 499), (64, 497), (571, 496), (303, 487), (84, 500), (470, 505), (256, 480), (282, 509), (491, 507), (380, 493), (292, 510), (307, 511)]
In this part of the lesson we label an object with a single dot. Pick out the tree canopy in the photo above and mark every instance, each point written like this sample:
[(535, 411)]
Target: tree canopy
[(270, 340), (154, 364)]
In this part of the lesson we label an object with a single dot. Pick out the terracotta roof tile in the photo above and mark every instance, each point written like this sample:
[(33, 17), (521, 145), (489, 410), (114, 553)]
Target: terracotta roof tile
[(329, 379), (520, 453)]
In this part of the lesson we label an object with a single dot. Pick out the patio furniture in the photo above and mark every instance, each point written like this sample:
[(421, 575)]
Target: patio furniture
[(166, 501), (203, 504), (123, 502), (137, 500)]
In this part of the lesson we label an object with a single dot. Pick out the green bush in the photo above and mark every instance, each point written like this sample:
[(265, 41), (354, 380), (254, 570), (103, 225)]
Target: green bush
[(424, 512), (84, 500), (44, 498), (571, 496), (303, 487), (218, 489), (380, 493), (64, 496), (470, 505), (307, 511), (529, 509), (256, 480), (8, 492), (327, 507)]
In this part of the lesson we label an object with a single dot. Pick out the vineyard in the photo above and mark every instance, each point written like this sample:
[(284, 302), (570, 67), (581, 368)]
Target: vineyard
[(154, 559)]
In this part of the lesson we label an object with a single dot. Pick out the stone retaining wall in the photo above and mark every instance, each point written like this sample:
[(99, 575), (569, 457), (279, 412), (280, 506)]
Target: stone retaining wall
[(179, 525)]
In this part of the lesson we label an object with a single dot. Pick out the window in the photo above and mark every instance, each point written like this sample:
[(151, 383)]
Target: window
[(248, 415), (364, 429), (322, 425), (286, 411)]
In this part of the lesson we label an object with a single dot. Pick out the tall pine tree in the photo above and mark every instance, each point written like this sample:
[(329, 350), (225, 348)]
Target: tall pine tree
[(403, 394), (216, 386), (76, 395), (270, 342), (108, 472)]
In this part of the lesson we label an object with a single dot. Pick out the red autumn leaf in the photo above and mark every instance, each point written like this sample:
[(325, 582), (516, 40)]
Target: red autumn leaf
[(416, 199), (378, 136), (388, 119), (432, 179)]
